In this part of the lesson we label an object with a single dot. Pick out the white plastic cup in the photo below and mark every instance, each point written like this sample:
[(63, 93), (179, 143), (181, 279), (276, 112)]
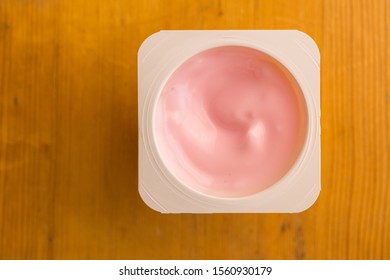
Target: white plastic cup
[(161, 186)]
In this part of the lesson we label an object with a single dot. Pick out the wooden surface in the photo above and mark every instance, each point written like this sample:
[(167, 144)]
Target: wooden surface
[(68, 124)]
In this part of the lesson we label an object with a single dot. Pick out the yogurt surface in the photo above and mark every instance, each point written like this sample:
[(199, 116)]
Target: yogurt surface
[(230, 121)]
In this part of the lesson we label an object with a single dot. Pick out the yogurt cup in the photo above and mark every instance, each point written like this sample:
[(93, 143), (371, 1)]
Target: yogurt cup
[(229, 121)]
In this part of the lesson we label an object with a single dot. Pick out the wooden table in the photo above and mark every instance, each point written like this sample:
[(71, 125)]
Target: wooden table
[(68, 124)]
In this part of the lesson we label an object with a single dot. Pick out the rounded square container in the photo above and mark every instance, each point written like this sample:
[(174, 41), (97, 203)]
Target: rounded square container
[(229, 121)]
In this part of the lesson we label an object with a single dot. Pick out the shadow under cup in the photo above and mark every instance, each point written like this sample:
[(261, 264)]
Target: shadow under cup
[(230, 122)]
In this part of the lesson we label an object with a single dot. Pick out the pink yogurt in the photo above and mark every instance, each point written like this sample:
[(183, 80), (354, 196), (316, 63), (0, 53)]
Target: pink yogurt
[(230, 122)]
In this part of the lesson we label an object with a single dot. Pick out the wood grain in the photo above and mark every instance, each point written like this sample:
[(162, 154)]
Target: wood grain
[(68, 124)]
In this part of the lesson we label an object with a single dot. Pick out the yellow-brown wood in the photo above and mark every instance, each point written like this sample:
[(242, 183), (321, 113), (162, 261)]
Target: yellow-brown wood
[(68, 142)]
